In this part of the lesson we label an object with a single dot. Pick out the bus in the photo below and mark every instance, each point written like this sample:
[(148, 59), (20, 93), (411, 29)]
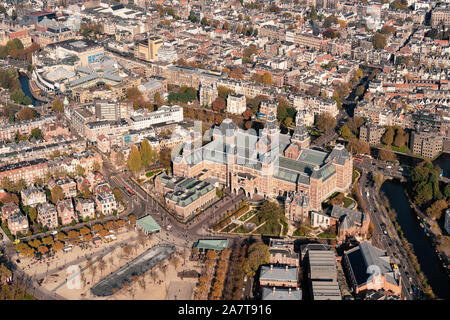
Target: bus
[(129, 191), (358, 158)]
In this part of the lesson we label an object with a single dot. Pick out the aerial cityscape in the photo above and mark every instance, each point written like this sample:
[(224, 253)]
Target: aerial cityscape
[(252, 150)]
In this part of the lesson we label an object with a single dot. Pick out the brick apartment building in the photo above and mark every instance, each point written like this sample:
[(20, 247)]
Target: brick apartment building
[(47, 215), (28, 171), (282, 252), (284, 277), (18, 223)]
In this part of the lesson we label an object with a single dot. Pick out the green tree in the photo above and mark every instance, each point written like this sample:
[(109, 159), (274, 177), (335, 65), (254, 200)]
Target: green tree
[(313, 13), (79, 170), (57, 194), (14, 44), (146, 152), (423, 194), (224, 92), (36, 133), (7, 184), (58, 105), (193, 18), (359, 90), (32, 214), (287, 121), (447, 191), (219, 193), (354, 124), (258, 254), (337, 98), (379, 41), (117, 194), (388, 136), (400, 138), (96, 166), (219, 104), (436, 209), (387, 155), (358, 146), (325, 122), (267, 78), (134, 160)]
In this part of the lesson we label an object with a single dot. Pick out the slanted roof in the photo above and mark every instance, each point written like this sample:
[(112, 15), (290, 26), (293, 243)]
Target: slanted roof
[(366, 255), (212, 244), (148, 224)]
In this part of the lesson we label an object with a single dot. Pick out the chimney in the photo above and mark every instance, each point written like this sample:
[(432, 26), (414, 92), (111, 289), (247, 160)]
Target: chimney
[(289, 291)]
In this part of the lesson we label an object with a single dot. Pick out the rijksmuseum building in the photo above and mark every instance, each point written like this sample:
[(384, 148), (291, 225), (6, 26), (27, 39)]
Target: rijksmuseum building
[(270, 164)]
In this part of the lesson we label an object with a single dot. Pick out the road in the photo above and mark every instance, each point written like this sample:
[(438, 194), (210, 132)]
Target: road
[(145, 203), (389, 242), (31, 284), (332, 134)]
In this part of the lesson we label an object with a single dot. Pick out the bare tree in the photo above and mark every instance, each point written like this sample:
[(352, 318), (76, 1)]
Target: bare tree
[(154, 276), (142, 283), (93, 270), (126, 250), (101, 265), (163, 269), (174, 261), (111, 260)]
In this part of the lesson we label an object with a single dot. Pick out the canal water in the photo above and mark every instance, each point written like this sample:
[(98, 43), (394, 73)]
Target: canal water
[(26, 89), (429, 263), (443, 161)]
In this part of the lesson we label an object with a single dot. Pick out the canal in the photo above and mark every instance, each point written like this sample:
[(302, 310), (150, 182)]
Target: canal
[(26, 89), (443, 161), (429, 263)]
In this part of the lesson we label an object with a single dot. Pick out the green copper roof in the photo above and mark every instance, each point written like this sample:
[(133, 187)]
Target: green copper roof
[(212, 244), (148, 224)]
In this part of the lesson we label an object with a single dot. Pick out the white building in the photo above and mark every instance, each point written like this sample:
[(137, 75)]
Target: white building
[(319, 219), (164, 114), (33, 196), (167, 53), (317, 105), (236, 103)]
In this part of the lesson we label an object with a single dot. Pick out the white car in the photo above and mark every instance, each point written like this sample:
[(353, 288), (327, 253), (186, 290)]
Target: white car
[(54, 232)]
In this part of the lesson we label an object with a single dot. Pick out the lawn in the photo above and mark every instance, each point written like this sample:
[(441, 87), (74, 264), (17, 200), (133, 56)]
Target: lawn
[(403, 149), (326, 235), (254, 219), (267, 228), (299, 233), (152, 173), (241, 229), (247, 215), (229, 227), (355, 175), (347, 202)]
